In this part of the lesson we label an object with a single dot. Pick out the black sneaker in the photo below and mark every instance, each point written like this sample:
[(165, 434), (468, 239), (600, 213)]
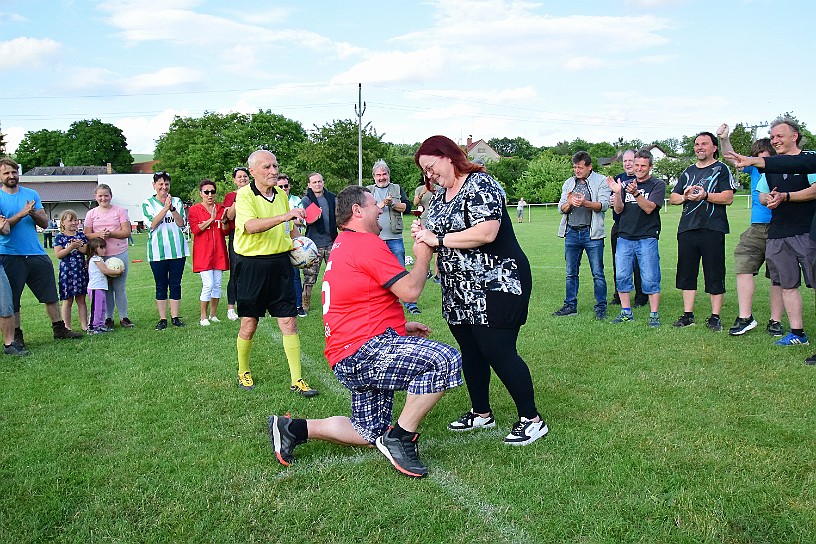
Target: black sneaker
[(177, 322), (774, 328), (283, 440), (403, 453), (684, 321), (600, 315), (526, 431), (811, 360), (301, 312), (61, 332), (742, 325), (565, 310), (19, 341), (14, 349), (161, 325), (714, 323), (640, 301), (109, 323), (470, 420)]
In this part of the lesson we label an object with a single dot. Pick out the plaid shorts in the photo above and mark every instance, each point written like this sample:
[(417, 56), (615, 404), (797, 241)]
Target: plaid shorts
[(390, 362)]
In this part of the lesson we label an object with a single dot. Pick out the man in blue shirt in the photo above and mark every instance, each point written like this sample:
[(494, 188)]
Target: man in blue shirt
[(21, 253)]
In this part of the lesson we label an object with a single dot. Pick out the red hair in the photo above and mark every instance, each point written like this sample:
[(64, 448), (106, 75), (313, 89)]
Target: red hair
[(442, 146)]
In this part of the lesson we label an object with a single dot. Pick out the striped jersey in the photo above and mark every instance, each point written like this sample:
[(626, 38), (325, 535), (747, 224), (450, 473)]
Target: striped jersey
[(166, 241)]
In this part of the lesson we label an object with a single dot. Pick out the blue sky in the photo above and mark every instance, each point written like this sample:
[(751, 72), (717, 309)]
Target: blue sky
[(547, 71)]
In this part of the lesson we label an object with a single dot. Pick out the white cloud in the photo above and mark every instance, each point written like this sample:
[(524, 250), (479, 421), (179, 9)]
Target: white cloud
[(14, 135), (165, 78), (89, 78), (141, 132), (27, 52), (12, 17), (396, 66)]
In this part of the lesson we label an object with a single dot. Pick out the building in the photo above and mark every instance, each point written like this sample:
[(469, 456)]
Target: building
[(481, 150)]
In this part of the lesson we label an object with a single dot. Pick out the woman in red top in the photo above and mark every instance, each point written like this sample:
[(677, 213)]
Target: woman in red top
[(209, 248)]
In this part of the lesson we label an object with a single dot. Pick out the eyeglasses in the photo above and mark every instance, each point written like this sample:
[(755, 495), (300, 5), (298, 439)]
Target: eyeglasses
[(159, 175), (212, 192), (284, 186), (428, 170)]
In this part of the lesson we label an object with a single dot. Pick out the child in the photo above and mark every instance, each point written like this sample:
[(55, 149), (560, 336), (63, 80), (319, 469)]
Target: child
[(69, 246), (98, 273)]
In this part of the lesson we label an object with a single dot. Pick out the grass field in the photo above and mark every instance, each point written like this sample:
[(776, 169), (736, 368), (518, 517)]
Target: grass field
[(657, 435)]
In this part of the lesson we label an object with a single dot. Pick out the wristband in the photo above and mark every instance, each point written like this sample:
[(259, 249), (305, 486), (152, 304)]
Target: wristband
[(787, 197), (706, 196), (440, 240)]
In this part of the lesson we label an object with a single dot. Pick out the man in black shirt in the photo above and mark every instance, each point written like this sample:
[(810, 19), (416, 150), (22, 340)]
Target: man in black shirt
[(638, 204)]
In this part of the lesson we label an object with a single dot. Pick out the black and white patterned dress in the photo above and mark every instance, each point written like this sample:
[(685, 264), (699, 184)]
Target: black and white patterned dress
[(488, 285)]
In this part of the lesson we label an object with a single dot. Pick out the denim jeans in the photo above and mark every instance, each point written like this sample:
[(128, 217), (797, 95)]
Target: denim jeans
[(575, 243), (397, 247), (645, 254)]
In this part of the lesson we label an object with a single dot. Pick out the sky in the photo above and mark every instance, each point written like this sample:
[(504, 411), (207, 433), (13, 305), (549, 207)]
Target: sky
[(547, 71)]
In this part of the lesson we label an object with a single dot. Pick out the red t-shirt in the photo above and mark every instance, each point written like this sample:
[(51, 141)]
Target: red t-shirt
[(209, 245), (229, 200), (357, 303)]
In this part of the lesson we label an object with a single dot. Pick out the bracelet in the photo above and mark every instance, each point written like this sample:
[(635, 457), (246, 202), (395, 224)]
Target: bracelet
[(787, 197), (706, 196), (172, 208)]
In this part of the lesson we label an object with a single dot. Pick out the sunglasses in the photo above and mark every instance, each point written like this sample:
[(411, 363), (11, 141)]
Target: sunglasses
[(284, 186), (159, 175), (239, 169), (212, 192)]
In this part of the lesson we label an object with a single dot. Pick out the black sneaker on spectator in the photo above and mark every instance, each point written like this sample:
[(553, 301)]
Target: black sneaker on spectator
[(714, 323), (774, 328), (684, 321), (177, 322), (161, 325), (18, 338), (471, 420), (742, 325), (301, 312), (811, 360), (526, 431), (565, 310), (109, 322), (14, 349)]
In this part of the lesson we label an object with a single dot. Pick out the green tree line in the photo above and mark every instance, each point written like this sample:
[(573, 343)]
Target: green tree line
[(211, 145)]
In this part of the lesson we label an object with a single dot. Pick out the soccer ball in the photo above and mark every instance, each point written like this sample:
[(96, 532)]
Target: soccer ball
[(409, 260), (115, 263), (304, 252)]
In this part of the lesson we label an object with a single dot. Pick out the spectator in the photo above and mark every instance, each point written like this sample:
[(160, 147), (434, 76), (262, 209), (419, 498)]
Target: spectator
[(167, 249)]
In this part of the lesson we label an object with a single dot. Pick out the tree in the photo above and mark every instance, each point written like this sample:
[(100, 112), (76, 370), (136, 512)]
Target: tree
[(212, 145), (669, 169), (41, 148), (508, 171), (602, 149), (92, 142), (332, 151), (514, 147), (2, 145), (544, 177), (741, 139)]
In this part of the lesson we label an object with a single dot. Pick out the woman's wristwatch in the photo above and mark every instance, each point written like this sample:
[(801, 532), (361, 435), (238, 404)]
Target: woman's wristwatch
[(440, 241)]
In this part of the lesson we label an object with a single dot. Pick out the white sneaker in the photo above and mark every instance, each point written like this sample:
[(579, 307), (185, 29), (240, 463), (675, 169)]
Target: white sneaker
[(214, 319), (470, 420), (232, 315), (204, 322), (526, 431)]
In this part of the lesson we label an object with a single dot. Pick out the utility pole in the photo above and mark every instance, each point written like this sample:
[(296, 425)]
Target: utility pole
[(754, 128), (359, 110)]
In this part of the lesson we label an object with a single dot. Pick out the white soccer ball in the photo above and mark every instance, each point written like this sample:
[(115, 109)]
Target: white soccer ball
[(304, 252), (115, 263), (409, 260)]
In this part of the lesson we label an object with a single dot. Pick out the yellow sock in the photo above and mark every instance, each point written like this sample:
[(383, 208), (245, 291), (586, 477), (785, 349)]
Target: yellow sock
[(291, 345), (244, 348)]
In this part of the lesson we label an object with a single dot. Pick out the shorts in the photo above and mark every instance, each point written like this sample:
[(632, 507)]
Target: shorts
[(6, 305), (390, 362), (641, 253), (750, 251), (788, 259), (36, 271), (265, 285), (708, 246)]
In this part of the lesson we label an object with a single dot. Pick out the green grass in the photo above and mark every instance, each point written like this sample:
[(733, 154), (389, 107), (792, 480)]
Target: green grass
[(656, 435)]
